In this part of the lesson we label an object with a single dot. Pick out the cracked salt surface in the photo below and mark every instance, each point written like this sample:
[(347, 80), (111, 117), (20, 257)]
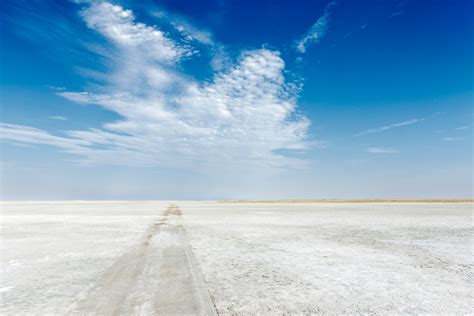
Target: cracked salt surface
[(335, 258), (254, 258), (99, 258)]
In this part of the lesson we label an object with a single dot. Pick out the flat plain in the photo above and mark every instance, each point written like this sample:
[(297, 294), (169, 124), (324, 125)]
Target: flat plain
[(181, 257)]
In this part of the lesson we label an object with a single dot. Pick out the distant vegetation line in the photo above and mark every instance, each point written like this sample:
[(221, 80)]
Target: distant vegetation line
[(353, 201)]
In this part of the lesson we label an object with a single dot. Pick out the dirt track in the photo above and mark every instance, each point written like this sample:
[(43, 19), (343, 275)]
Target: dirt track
[(163, 261)]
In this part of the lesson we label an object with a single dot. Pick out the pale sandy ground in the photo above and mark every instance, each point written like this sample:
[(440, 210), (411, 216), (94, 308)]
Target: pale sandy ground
[(131, 257)]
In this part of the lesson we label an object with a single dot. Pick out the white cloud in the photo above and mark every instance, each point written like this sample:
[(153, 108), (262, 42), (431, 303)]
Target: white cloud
[(187, 29), (382, 150), (32, 135), (460, 128), (400, 8), (118, 25), (387, 127), (244, 115), (452, 139), (316, 32), (58, 117), (220, 59), (394, 14)]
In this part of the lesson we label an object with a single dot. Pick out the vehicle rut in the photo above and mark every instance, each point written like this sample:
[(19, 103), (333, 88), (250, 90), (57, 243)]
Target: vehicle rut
[(158, 275)]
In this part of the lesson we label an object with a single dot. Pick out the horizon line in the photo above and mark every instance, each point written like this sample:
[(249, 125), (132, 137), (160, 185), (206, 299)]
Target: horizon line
[(432, 200)]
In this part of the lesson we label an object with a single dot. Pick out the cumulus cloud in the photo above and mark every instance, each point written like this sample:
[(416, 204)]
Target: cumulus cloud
[(316, 32), (391, 126), (244, 114)]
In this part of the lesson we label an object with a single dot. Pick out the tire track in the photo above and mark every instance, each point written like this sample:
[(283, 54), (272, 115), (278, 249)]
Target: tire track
[(158, 275)]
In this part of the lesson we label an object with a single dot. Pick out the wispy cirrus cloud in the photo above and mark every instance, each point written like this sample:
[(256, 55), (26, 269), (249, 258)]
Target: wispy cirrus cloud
[(382, 150), (316, 32), (461, 128), (243, 115), (26, 134), (390, 126), (452, 139), (58, 117), (399, 8), (189, 31)]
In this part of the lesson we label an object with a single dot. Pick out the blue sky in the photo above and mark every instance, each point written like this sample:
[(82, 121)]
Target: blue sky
[(236, 99)]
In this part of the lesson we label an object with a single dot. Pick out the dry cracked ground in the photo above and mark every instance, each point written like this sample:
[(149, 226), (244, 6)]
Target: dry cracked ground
[(208, 258)]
